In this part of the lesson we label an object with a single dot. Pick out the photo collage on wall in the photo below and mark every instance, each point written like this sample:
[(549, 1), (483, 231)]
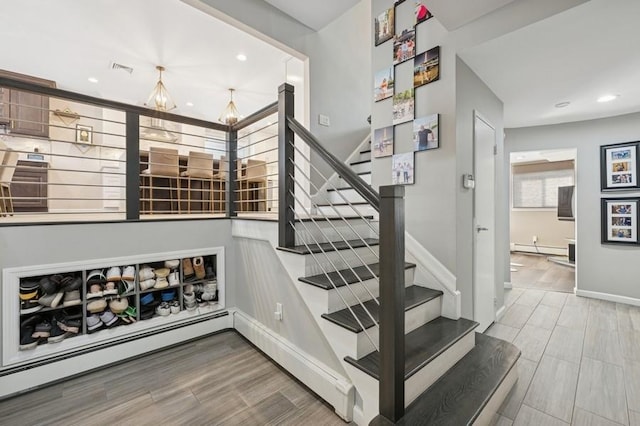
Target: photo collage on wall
[(426, 70), (619, 172)]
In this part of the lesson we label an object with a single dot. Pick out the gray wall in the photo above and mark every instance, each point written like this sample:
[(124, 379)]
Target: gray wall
[(473, 95), (600, 268)]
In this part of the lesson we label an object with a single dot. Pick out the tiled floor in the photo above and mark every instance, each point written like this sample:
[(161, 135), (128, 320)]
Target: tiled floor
[(541, 274), (580, 361)]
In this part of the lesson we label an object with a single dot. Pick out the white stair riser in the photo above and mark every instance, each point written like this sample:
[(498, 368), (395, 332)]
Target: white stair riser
[(361, 167), (361, 345), (324, 231), (361, 209), (345, 195), (363, 156), (318, 263), (359, 291), (342, 183), (367, 386)]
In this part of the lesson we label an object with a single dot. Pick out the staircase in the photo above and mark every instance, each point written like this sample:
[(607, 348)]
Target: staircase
[(452, 375)]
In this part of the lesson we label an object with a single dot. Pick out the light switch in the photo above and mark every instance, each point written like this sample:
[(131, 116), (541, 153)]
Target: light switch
[(323, 120)]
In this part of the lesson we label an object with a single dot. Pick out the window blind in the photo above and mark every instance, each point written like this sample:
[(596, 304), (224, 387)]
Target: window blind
[(539, 189)]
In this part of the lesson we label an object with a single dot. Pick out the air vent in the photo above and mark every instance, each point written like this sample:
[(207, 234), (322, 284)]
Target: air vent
[(117, 66)]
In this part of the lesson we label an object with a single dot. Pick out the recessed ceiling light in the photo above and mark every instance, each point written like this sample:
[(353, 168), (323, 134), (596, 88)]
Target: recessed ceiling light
[(607, 98), (189, 104), (563, 104), (241, 57), (93, 79)]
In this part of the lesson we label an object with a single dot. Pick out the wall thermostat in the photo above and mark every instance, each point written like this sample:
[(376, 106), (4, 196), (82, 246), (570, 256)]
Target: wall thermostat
[(468, 181)]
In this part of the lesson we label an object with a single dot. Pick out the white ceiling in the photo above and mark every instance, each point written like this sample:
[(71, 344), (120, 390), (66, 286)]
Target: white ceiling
[(69, 41), (314, 14), (576, 56), (454, 14)]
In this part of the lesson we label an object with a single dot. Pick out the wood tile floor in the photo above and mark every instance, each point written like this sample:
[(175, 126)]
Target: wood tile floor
[(539, 273), (580, 362), (218, 380)]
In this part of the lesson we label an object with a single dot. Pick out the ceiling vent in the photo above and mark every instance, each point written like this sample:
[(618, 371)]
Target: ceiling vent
[(117, 66)]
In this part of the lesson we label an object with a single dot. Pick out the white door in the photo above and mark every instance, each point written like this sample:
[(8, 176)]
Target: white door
[(484, 142)]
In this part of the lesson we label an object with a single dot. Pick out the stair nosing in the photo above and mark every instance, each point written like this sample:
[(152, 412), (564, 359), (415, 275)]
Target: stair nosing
[(355, 163), (407, 265), (319, 248), (343, 188), (332, 218), (357, 203)]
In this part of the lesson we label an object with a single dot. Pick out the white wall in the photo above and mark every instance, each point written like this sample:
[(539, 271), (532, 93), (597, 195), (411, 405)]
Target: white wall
[(599, 268)]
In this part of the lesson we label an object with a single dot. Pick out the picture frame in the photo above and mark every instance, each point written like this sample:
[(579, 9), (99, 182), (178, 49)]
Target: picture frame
[(84, 134), (404, 46), (383, 84), (422, 12), (403, 106), (619, 167), (403, 169), (382, 142), (426, 132), (384, 26), (426, 67), (619, 217)]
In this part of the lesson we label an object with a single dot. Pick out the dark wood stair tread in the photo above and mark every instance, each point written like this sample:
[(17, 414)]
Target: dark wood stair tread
[(422, 345), (359, 162), (366, 151), (357, 203), (332, 218), (414, 296), (460, 395), (327, 247), (360, 273), (344, 188)]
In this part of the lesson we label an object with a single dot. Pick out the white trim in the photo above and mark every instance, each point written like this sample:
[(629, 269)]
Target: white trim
[(508, 285), (528, 248), (435, 275), (331, 386), (609, 297), (500, 313)]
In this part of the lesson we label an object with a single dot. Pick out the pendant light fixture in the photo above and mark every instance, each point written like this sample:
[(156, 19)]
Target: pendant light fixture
[(230, 115), (160, 101)]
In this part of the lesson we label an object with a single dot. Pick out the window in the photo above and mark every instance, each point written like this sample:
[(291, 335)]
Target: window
[(538, 189)]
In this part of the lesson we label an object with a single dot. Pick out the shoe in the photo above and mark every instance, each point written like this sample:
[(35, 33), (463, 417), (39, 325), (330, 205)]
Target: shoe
[(131, 311), (147, 284), (161, 282), (147, 299), (72, 298), (209, 271), (29, 306), (68, 323), (108, 318), (200, 301), (57, 334), (146, 273), (96, 306), (127, 286), (27, 341), (146, 314), (163, 309), (93, 322), (188, 288), (95, 291), (162, 272), (174, 278), (96, 276), (198, 267), (29, 290), (129, 273), (172, 264), (48, 286), (114, 274), (174, 307), (118, 306), (168, 295), (51, 300), (72, 284), (187, 267), (110, 289), (42, 329)]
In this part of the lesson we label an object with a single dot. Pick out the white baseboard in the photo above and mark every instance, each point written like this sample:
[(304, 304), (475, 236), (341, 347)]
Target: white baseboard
[(527, 248), (609, 297), (334, 388), (508, 285), (500, 313)]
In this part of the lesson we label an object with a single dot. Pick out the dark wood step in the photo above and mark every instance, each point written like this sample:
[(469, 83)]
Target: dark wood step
[(460, 395), (422, 345), (414, 296), (327, 247), (357, 203), (359, 273), (367, 151), (339, 189), (359, 162), (321, 219)]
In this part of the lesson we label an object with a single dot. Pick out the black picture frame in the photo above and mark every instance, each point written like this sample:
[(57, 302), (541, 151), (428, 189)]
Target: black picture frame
[(426, 67), (388, 16), (619, 167), (619, 220)]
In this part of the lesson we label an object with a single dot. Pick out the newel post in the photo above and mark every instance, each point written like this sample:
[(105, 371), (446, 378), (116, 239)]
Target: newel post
[(132, 167), (392, 302), (286, 201)]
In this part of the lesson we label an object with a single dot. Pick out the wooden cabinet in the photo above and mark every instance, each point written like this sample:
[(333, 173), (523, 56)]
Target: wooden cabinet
[(30, 180), (25, 113)]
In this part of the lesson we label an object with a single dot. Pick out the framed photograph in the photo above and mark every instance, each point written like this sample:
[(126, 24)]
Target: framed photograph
[(383, 142), (422, 13), (426, 67), (425, 132), (404, 46), (619, 220), (383, 84), (403, 105), (385, 26), (84, 134), (402, 170), (619, 167), (398, 2)]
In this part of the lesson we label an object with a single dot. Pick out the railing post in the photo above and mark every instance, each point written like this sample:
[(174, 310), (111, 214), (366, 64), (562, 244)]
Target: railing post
[(232, 156), (286, 233), (132, 166), (391, 385)]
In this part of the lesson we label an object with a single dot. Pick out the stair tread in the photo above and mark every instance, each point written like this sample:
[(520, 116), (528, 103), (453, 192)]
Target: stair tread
[(414, 296), (357, 203), (366, 151), (325, 218), (359, 273), (359, 162), (343, 188), (422, 345), (327, 247), (460, 395)]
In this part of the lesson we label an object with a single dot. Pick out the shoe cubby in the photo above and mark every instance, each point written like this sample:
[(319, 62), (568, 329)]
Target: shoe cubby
[(60, 308)]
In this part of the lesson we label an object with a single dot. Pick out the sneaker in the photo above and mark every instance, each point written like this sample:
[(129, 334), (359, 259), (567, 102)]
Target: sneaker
[(127, 286), (147, 299), (57, 334), (51, 300), (72, 298), (96, 306), (198, 267), (147, 284), (162, 272), (174, 278), (146, 273), (114, 274), (163, 309), (72, 284), (187, 267), (118, 306), (27, 341), (110, 289), (108, 318), (96, 276), (174, 307), (161, 282), (29, 290), (168, 295), (129, 273), (209, 271), (29, 306), (69, 323), (147, 313), (95, 291), (42, 329), (172, 264), (93, 322), (48, 286)]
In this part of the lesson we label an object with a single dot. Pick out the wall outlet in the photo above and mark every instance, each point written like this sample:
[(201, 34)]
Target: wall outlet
[(324, 120), (278, 313), (534, 239)]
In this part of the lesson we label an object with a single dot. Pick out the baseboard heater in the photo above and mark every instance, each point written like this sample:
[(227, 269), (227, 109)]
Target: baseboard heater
[(529, 248)]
